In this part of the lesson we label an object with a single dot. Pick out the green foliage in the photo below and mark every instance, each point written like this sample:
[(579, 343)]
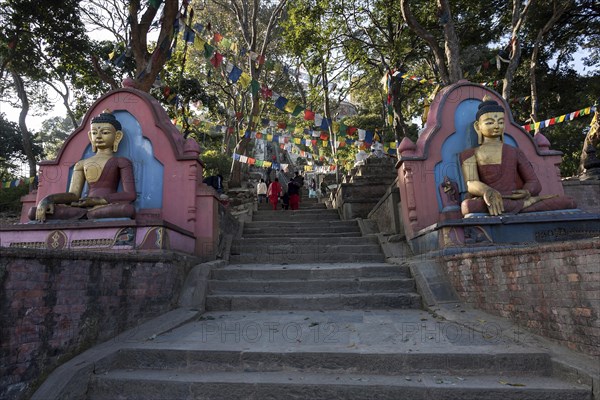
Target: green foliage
[(215, 162), (11, 148), (53, 134), (10, 199)]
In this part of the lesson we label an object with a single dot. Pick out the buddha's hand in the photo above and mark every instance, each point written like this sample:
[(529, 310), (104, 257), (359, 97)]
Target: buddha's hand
[(520, 194), (493, 200), (90, 202), (45, 207)]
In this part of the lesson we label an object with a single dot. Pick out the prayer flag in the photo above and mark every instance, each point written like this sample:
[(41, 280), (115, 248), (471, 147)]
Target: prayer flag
[(281, 102), (235, 74), (208, 50), (216, 59), (245, 80)]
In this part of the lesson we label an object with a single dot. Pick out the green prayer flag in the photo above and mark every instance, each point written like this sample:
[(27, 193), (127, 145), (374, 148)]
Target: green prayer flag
[(208, 50), (255, 85), (297, 111)]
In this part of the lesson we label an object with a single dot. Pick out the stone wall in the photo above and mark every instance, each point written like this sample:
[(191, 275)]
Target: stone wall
[(585, 193), (55, 305), (551, 289), (387, 212)]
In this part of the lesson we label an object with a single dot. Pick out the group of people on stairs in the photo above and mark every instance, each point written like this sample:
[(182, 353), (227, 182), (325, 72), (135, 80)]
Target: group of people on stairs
[(274, 192)]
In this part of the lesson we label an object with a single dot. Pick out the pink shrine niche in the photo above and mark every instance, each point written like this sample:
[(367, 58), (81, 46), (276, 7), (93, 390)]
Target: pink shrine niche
[(431, 183), (174, 209)]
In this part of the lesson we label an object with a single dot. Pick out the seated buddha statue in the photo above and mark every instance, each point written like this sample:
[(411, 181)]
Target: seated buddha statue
[(499, 177), (103, 173)]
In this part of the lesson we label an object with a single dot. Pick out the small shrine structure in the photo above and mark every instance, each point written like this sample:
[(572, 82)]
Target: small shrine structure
[(432, 187), (174, 209)]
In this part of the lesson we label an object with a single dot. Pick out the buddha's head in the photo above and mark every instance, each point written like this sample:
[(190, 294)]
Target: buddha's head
[(105, 132), (489, 122)]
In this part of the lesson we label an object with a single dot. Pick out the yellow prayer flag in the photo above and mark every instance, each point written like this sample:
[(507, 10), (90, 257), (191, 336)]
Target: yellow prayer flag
[(267, 164), (245, 80), (199, 43), (269, 137), (297, 141), (336, 127), (290, 107), (325, 143)]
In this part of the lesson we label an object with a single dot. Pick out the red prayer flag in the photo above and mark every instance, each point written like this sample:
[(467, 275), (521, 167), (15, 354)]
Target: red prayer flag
[(309, 115), (217, 59)]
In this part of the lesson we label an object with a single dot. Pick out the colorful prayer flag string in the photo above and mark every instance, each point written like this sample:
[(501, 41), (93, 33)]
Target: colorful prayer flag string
[(557, 120)]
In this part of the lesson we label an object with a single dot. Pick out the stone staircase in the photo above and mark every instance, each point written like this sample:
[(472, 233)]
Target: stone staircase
[(308, 259), (362, 189), (308, 309)]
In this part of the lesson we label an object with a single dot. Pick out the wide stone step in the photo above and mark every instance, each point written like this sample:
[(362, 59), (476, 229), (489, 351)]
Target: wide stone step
[(312, 257), (295, 224), (176, 385), (292, 250), (303, 206), (340, 301), (357, 285), (200, 361), (308, 272), (244, 243), (283, 234), (296, 215)]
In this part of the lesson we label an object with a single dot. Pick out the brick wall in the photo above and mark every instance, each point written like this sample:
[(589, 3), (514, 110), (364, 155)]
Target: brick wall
[(552, 289), (55, 305)]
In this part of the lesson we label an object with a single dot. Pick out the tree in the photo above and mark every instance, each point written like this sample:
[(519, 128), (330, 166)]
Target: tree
[(38, 34), (257, 37), (11, 148), (53, 134)]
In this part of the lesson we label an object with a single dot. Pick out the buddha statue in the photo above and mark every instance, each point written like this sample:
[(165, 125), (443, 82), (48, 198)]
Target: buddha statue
[(499, 178), (103, 173)]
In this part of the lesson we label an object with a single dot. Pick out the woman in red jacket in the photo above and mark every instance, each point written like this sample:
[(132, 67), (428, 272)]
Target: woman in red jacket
[(274, 192)]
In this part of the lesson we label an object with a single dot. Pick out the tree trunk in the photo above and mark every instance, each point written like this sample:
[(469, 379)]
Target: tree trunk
[(149, 65), (518, 20), (451, 42), (431, 40), (398, 121), (247, 18), (27, 139), (558, 11)]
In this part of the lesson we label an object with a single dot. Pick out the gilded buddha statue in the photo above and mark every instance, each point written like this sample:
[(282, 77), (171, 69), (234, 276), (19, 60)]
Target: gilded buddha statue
[(103, 173), (499, 178)]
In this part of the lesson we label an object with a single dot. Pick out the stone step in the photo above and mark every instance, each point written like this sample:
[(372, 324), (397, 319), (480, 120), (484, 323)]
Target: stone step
[(177, 385), (296, 215), (296, 224), (248, 243), (276, 234), (303, 206), (285, 228), (293, 249), (313, 257), (200, 361), (370, 180), (339, 301), (310, 272), (357, 285)]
